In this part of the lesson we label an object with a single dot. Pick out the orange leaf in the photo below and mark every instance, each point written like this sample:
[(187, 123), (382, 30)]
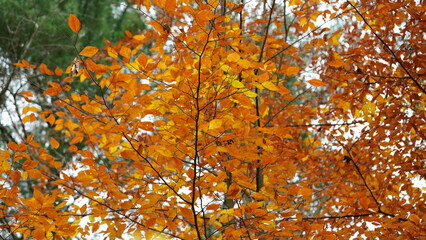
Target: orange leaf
[(35, 173), (187, 214), (38, 234), (336, 63), (305, 192), (233, 190), (14, 175), (283, 90), (74, 23), (54, 143), (29, 164), (88, 161), (4, 155), (364, 202), (316, 83), (170, 5), (29, 118), (51, 119), (44, 69), (259, 212), (30, 109), (51, 92), (24, 64), (89, 51), (142, 59), (58, 71), (26, 93), (157, 26), (17, 147), (414, 218), (205, 15), (292, 70), (125, 52)]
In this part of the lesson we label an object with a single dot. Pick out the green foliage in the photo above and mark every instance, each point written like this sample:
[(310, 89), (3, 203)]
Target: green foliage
[(37, 30)]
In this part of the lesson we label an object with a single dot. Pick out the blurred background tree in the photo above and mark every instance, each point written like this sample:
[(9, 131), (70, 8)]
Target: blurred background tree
[(37, 31)]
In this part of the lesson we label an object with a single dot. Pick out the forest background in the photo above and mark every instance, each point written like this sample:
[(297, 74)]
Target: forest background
[(181, 119)]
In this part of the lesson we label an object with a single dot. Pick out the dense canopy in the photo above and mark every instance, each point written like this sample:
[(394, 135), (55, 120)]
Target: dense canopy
[(244, 120)]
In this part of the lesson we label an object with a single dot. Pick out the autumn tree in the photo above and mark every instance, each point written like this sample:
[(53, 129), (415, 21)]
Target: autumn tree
[(247, 120), (35, 30)]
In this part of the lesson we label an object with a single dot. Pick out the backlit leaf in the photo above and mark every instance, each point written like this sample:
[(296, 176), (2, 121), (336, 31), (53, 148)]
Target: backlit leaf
[(44, 69), (233, 57), (54, 143), (74, 23), (89, 51), (292, 70), (270, 86), (237, 84), (215, 123), (4, 155)]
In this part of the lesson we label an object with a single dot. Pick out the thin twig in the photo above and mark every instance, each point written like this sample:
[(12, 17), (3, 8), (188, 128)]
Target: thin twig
[(418, 85)]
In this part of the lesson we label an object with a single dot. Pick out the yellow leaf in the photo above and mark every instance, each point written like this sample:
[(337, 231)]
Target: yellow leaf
[(75, 97), (74, 23), (54, 143), (112, 53), (270, 86), (233, 57), (237, 84), (250, 94), (316, 83), (89, 51), (5, 165), (215, 123), (163, 151), (369, 108), (245, 63)]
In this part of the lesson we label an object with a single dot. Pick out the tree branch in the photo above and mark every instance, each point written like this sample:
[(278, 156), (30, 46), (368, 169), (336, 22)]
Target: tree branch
[(418, 85)]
